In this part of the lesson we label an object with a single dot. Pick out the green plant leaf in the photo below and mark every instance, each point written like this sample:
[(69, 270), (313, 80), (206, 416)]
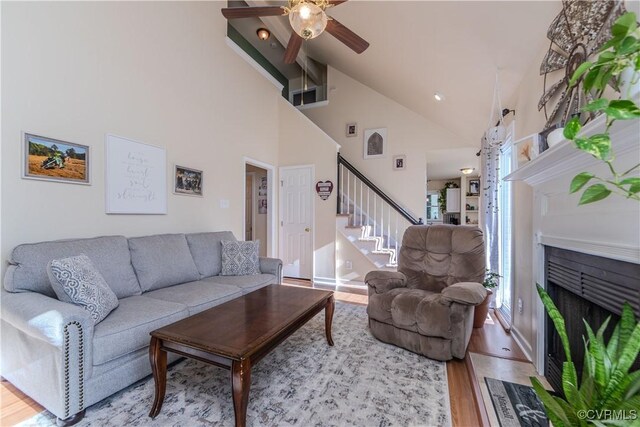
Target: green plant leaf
[(628, 45), (627, 357), (580, 181), (588, 393), (622, 109), (579, 72), (597, 351), (570, 383), (624, 25), (633, 388), (572, 128), (626, 325), (612, 345), (594, 193), (558, 320), (596, 105), (633, 183), (552, 408), (570, 412), (590, 78), (598, 145), (613, 42)]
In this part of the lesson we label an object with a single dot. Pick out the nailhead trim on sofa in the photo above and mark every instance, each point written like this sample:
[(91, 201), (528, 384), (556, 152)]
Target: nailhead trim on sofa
[(67, 379)]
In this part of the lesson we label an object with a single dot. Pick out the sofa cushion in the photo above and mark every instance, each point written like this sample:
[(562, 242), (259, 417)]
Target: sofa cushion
[(76, 280), (162, 260), (240, 258), (246, 283), (197, 296), (207, 251), (127, 328), (379, 306), (110, 255)]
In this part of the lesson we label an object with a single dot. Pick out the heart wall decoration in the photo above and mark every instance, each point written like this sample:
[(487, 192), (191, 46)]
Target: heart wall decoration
[(324, 189)]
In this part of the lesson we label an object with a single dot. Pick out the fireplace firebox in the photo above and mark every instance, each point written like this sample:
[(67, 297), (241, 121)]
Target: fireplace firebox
[(585, 287)]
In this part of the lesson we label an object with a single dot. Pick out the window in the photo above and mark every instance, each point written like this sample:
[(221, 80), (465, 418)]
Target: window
[(505, 203), (433, 206)]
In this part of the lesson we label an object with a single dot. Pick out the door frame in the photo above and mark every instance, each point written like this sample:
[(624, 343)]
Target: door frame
[(313, 215), (253, 205), (272, 227)]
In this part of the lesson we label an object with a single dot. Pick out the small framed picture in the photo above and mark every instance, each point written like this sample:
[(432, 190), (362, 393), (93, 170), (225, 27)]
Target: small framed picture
[(49, 159), (474, 187), (374, 142), (399, 162), (187, 181), (525, 150), (352, 129)]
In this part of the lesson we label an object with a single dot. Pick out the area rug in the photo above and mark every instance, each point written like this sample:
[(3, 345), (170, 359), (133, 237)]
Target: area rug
[(303, 382), (516, 404)]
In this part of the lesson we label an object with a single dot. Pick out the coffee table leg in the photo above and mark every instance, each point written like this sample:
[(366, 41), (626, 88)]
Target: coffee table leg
[(158, 359), (328, 318), (240, 383)]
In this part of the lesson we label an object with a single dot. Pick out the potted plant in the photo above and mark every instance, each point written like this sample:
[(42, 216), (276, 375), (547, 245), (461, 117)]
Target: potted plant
[(480, 314), (618, 62), (607, 394)]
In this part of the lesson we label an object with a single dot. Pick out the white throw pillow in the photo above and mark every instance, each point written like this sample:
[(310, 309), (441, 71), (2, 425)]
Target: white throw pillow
[(76, 280), (240, 258)]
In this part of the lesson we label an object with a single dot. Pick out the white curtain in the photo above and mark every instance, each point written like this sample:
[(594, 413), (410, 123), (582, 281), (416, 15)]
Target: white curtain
[(489, 170)]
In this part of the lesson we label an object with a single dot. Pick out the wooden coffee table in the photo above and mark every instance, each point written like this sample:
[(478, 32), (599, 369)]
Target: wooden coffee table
[(236, 335)]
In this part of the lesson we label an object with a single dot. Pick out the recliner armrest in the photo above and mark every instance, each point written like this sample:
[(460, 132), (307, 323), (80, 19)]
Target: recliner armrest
[(467, 293), (383, 281)]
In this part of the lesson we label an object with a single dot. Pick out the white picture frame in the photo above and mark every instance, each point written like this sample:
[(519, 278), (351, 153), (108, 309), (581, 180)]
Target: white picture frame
[(135, 177), (525, 150), (399, 162), (351, 130), (72, 165), (374, 143)]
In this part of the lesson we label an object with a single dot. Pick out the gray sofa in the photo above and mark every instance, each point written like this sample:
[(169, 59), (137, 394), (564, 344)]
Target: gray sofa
[(52, 351)]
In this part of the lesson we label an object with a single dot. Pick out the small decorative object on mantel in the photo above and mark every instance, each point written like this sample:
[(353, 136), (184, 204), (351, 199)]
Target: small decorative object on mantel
[(525, 149), (399, 162), (374, 142), (54, 160), (324, 189), (352, 129), (187, 181)]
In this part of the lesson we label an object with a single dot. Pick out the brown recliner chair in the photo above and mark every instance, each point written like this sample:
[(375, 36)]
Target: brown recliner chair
[(427, 305)]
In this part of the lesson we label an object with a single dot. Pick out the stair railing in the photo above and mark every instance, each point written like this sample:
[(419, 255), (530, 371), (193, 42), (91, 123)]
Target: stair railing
[(369, 206)]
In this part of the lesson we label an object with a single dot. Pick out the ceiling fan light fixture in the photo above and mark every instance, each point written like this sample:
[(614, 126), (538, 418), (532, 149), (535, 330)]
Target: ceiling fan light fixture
[(263, 34), (467, 171), (438, 96), (308, 20)]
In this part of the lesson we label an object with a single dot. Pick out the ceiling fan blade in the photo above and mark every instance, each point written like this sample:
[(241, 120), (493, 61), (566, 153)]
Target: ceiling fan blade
[(346, 36), (249, 12), (336, 2), (293, 47)]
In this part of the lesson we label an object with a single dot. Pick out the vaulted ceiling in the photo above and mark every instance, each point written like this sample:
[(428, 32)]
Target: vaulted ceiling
[(452, 47)]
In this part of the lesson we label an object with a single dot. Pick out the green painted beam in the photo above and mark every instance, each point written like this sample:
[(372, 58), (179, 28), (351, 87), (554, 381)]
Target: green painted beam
[(237, 38)]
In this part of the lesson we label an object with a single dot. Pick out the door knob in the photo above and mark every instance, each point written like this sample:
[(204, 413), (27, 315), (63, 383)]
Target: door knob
[(307, 229)]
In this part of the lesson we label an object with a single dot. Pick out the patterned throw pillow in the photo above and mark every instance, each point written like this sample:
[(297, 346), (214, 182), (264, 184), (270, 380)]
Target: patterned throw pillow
[(240, 258), (77, 281)]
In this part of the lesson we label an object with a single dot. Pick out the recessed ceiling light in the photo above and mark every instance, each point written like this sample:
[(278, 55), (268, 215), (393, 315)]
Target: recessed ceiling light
[(263, 33), (467, 171), (438, 96)]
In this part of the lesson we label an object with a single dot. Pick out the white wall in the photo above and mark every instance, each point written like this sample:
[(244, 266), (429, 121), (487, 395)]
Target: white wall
[(407, 133), (156, 72), (303, 143)]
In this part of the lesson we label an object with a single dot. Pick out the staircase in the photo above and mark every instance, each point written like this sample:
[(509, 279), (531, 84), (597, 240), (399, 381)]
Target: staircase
[(368, 218)]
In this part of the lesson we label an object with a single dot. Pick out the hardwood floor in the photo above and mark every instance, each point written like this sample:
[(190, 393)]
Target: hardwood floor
[(467, 408)]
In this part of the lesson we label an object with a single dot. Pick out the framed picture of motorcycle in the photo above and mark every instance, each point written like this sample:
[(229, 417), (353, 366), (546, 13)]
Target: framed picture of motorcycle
[(54, 160)]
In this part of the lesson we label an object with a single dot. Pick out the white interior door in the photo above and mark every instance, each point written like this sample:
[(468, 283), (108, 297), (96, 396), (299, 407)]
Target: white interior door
[(296, 246), (248, 207)]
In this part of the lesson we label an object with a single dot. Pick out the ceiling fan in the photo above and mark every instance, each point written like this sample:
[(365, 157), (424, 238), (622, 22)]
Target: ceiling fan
[(308, 20)]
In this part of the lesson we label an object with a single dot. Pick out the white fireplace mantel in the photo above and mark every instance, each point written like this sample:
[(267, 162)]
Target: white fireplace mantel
[(608, 228)]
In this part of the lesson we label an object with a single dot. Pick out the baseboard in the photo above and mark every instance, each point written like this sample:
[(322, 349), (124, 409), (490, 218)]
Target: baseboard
[(524, 345)]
